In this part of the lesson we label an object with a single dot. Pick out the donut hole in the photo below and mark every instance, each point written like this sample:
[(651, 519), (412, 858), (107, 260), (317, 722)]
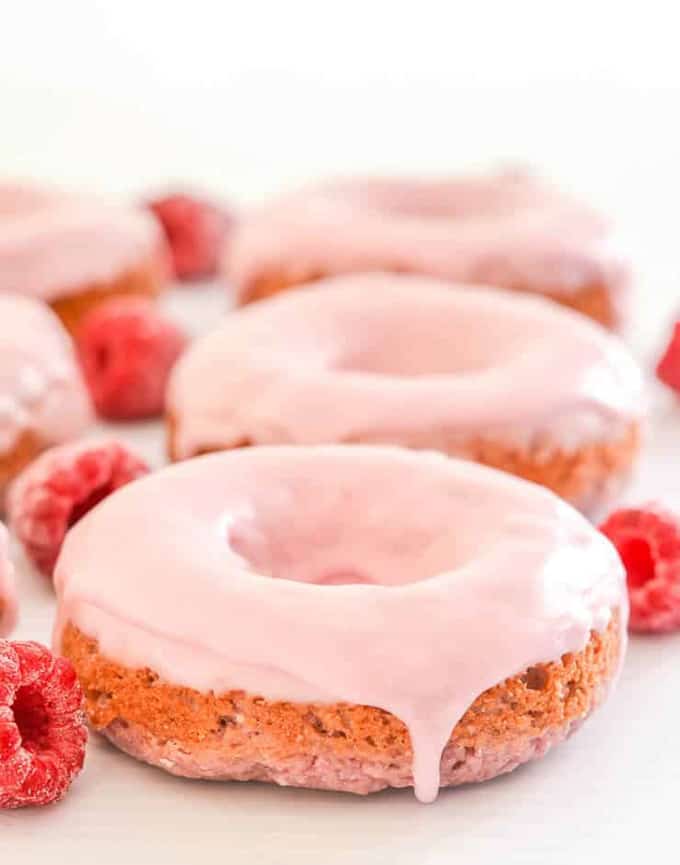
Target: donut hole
[(286, 558), (436, 200), (424, 342), (355, 533)]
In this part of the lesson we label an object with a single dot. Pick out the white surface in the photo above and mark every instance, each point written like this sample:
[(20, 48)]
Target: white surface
[(244, 99)]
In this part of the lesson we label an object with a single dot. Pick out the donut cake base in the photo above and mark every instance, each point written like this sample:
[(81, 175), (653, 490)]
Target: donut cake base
[(339, 746), (21, 453), (145, 280), (594, 301), (586, 477)]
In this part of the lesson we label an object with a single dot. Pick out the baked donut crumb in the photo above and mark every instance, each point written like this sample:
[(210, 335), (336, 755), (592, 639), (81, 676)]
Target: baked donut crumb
[(359, 749)]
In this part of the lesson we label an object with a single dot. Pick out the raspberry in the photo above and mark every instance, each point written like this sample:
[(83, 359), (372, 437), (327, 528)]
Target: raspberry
[(60, 487), (127, 349), (668, 368), (42, 726), (195, 230), (648, 541)]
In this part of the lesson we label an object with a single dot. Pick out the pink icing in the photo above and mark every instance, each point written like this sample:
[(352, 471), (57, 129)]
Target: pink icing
[(41, 389), (53, 244), (8, 596), (393, 359), (508, 230), (377, 576)]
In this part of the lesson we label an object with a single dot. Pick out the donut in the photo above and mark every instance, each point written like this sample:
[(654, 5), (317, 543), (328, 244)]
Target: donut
[(342, 618), (510, 230), (8, 597), (73, 252), (43, 399), (517, 383)]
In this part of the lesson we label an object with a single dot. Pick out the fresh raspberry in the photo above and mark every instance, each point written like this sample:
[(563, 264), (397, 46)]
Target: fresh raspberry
[(195, 230), (668, 368), (648, 541), (42, 726), (60, 487), (127, 349)]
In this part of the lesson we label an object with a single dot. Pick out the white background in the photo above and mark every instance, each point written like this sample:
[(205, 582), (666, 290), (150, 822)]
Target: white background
[(243, 99)]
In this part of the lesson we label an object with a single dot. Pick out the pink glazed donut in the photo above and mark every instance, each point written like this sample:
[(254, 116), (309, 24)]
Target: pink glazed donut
[(43, 398), (73, 251), (8, 595), (514, 382), (509, 230), (343, 618)]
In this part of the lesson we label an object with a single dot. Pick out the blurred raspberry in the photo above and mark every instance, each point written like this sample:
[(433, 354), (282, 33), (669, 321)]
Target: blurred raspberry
[(668, 368), (648, 541), (195, 230), (127, 349), (42, 727), (60, 487)]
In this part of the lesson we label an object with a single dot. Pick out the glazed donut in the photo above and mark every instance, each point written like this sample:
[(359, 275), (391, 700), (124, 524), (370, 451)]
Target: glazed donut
[(8, 597), (43, 399), (74, 252), (344, 618), (517, 383), (508, 230)]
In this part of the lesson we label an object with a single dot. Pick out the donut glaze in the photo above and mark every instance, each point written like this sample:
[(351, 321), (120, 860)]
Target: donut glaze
[(53, 244), (305, 574), (403, 360), (41, 388), (508, 230), (8, 597)]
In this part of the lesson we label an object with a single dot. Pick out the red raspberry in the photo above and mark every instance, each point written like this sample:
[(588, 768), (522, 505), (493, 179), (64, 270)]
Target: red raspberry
[(60, 487), (127, 349), (648, 541), (195, 230), (668, 368), (42, 726)]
